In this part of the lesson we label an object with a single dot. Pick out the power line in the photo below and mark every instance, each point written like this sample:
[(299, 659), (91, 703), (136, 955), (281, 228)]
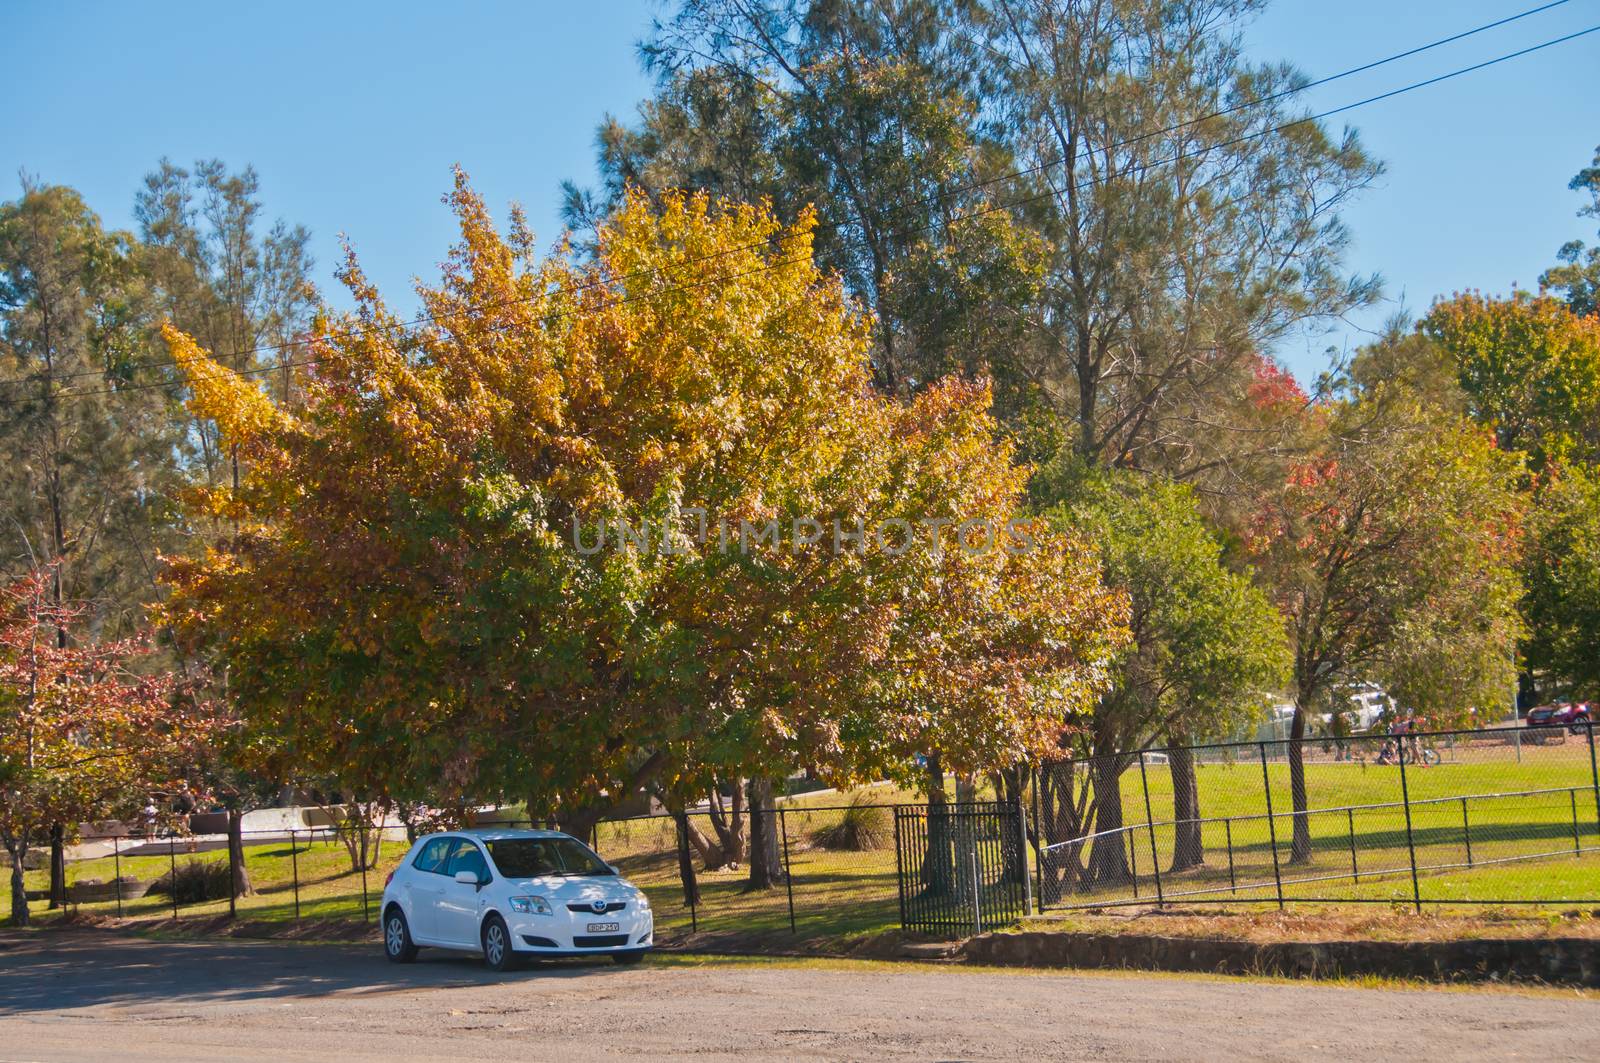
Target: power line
[(991, 209)]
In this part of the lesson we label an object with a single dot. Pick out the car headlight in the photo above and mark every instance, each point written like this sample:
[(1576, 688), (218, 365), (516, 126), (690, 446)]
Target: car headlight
[(535, 905), (643, 901)]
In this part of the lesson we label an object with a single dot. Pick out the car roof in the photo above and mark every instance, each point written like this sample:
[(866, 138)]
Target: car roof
[(497, 834)]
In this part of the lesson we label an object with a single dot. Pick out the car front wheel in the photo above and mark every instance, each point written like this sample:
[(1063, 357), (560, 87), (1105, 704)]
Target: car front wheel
[(397, 943), (497, 952), (627, 958)]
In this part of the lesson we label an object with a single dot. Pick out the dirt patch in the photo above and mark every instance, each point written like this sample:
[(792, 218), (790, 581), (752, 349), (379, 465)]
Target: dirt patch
[(220, 926), (1374, 924)]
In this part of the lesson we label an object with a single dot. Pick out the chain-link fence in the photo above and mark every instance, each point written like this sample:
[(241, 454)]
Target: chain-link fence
[(1508, 816)]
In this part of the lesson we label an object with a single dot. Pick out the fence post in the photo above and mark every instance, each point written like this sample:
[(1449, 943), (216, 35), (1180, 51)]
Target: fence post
[(1022, 855), (1133, 857), (1577, 846), (977, 894), (294, 861), (1594, 776), (1466, 830), (1038, 836), (1355, 869), (1272, 824), (1149, 820), (900, 865), (1233, 883), (691, 884), (1411, 844), (172, 868), (788, 872), (116, 860)]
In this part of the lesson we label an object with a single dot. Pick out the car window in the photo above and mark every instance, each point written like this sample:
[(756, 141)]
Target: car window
[(433, 855), (467, 857), (533, 857)]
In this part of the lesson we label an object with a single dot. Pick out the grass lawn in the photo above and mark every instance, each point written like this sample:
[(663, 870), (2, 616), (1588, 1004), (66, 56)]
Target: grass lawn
[(1524, 846)]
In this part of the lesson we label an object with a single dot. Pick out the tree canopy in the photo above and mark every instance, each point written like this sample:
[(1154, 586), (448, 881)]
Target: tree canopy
[(491, 553)]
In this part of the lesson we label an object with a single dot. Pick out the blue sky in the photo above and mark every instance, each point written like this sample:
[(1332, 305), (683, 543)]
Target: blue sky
[(354, 113)]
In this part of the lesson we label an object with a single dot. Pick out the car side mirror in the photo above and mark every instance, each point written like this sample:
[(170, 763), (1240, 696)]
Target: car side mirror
[(468, 878)]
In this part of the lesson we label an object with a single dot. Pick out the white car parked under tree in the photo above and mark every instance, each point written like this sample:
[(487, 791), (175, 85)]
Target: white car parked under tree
[(512, 895)]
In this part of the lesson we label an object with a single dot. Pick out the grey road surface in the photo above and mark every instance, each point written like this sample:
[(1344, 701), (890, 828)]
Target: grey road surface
[(88, 995)]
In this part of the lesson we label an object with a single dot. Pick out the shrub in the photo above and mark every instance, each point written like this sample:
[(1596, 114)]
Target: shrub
[(195, 881), (864, 826)]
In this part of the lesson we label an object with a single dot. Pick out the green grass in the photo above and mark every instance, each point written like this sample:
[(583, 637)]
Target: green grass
[(1522, 847)]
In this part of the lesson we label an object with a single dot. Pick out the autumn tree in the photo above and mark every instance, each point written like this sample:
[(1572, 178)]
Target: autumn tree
[(508, 551), (85, 733), (1391, 549)]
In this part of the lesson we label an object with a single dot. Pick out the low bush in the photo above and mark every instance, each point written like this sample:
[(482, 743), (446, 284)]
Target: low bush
[(195, 881), (863, 826)]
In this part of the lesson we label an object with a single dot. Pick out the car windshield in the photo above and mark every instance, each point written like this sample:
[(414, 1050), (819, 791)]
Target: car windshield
[(533, 857)]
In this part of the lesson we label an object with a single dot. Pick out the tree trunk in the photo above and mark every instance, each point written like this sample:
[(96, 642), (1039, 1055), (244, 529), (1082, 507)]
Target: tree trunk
[(938, 863), (729, 825), (691, 885), (240, 873), (1188, 851), (766, 860), (1009, 787), (710, 853), (1300, 853), (20, 916), (58, 865), (1108, 856)]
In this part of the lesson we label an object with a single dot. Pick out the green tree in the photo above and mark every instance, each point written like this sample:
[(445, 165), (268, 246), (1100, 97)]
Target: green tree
[(1578, 276), (1563, 566), (243, 293), (1530, 369), (1206, 646), (1191, 225), (89, 484)]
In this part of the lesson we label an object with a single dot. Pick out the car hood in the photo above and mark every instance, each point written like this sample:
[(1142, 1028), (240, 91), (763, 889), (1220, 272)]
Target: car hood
[(569, 890)]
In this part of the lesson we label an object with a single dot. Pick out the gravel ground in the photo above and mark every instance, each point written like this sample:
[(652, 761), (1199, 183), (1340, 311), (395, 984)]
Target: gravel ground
[(91, 995)]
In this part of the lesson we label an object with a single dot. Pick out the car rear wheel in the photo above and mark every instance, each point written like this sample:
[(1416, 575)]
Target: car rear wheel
[(397, 943), (497, 952)]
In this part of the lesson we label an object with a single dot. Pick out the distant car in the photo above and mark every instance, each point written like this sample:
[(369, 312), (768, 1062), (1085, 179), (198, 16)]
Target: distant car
[(511, 895), (1575, 716)]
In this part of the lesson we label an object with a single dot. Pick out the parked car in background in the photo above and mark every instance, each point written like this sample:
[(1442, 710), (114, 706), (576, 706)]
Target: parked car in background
[(511, 895), (1574, 716)]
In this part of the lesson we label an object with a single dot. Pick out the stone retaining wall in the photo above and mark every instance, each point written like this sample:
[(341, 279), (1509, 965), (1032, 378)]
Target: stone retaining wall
[(1566, 961)]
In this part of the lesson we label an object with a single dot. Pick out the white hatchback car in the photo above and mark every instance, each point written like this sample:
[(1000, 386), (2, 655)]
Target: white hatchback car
[(512, 895)]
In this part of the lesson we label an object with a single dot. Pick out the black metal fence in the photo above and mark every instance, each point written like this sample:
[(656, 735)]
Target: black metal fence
[(1503, 817), (962, 868)]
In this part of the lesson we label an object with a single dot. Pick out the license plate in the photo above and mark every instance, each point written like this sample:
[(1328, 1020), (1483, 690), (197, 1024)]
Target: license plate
[(602, 928)]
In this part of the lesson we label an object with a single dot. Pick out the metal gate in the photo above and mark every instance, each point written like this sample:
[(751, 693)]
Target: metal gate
[(963, 868)]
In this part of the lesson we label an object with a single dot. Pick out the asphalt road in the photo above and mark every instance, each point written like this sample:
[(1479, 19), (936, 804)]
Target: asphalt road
[(86, 995)]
